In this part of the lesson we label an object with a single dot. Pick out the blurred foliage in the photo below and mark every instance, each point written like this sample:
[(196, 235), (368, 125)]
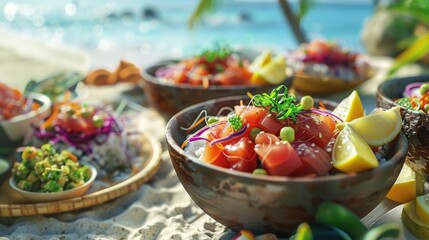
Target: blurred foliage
[(418, 44), (206, 6)]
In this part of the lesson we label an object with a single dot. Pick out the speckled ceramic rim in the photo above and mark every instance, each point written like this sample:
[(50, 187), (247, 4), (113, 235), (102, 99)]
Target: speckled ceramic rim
[(397, 156), (28, 194), (381, 93), (151, 78), (46, 104)]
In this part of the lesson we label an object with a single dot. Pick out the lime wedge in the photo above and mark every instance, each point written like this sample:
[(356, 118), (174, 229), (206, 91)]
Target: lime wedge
[(413, 222), (422, 208)]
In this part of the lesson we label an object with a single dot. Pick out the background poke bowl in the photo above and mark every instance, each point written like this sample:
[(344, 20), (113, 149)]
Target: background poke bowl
[(324, 67), (170, 98), (272, 204), (13, 130), (415, 125)]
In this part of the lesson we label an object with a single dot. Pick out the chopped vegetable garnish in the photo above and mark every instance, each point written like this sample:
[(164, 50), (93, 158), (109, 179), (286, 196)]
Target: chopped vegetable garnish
[(46, 170), (279, 102), (236, 122), (416, 97)]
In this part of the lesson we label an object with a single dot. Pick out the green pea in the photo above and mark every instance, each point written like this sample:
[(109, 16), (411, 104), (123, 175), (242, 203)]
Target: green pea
[(287, 134), (211, 120), (424, 88), (307, 102), (98, 121), (254, 132), (259, 171)]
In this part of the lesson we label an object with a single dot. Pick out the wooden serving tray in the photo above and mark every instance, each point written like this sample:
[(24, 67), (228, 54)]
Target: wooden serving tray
[(13, 205)]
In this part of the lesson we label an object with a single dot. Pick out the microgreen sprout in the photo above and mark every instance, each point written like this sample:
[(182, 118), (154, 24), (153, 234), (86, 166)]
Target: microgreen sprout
[(236, 122), (279, 102), (217, 51)]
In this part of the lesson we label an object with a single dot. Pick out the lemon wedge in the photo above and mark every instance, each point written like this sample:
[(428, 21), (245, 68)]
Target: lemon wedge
[(350, 107), (274, 72), (422, 208), (377, 128), (404, 188), (413, 222), (351, 153), (260, 61)]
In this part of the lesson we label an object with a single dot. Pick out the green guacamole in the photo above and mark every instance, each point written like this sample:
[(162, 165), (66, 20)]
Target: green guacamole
[(45, 170)]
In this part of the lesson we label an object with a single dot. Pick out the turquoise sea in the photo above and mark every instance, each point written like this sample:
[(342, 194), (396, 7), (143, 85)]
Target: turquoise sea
[(161, 25)]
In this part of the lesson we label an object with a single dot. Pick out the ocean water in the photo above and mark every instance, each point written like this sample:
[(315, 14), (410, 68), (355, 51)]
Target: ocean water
[(161, 26)]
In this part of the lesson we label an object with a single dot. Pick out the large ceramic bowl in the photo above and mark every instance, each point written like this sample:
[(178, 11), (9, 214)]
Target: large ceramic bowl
[(40, 197), (267, 203), (415, 125), (13, 130), (169, 98)]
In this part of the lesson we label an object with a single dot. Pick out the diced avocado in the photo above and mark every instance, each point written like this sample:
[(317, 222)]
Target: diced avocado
[(32, 177), (25, 185), (52, 186), (40, 167), (76, 176), (21, 172)]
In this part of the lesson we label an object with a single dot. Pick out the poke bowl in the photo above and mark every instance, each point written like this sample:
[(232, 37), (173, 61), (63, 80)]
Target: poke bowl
[(172, 85), (273, 203), (395, 92), (20, 116), (322, 67)]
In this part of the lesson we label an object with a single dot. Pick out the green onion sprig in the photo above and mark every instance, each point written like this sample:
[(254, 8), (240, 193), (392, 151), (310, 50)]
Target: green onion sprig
[(279, 102)]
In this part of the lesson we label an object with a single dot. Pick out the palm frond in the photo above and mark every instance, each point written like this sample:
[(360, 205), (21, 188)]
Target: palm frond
[(413, 53), (203, 7), (416, 8), (304, 7)]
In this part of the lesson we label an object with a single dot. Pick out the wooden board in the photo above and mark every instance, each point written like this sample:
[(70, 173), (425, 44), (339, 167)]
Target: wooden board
[(13, 205)]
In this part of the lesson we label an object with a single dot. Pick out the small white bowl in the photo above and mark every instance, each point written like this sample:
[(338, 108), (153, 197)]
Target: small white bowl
[(13, 130), (38, 197)]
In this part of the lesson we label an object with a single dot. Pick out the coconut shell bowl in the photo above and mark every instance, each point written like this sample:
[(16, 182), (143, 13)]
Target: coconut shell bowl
[(415, 124), (272, 204)]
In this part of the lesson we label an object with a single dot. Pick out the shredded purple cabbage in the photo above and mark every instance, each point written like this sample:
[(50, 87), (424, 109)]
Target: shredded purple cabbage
[(411, 87), (230, 136), (112, 125)]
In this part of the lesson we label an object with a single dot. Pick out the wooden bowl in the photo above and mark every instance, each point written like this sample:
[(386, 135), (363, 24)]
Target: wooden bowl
[(272, 204), (321, 85), (415, 125), (170, 98)]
